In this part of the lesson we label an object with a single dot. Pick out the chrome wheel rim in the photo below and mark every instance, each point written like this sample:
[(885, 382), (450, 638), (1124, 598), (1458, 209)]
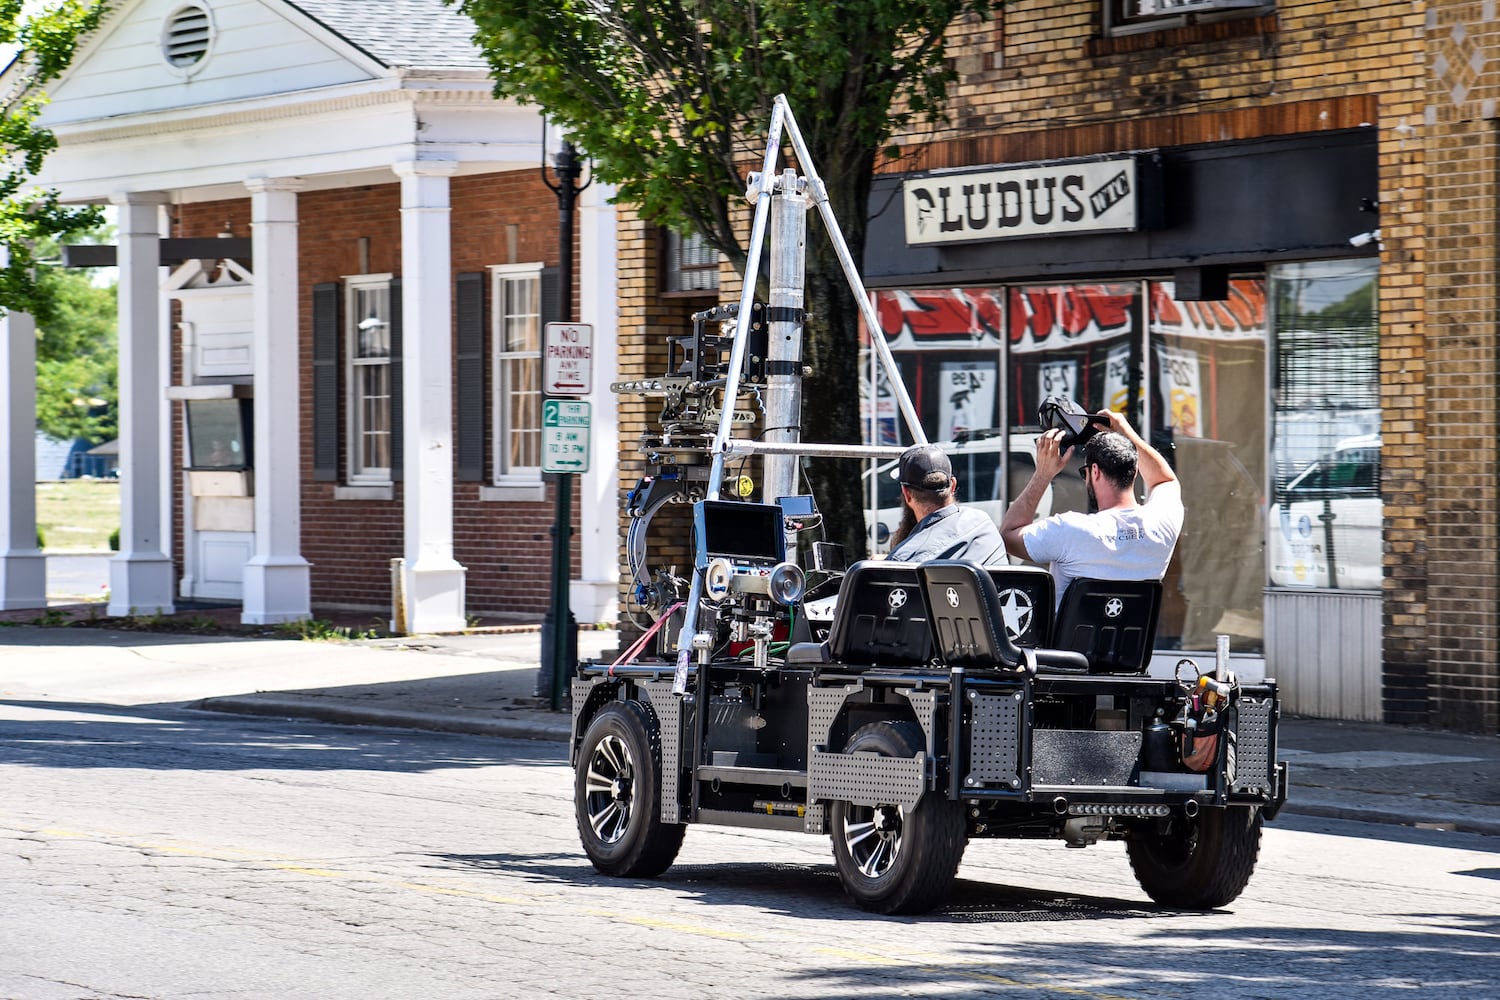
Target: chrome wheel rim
[(607, 789), (872, 836)]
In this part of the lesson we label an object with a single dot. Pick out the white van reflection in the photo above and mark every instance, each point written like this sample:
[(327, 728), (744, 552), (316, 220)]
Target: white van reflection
[(1325, 525)]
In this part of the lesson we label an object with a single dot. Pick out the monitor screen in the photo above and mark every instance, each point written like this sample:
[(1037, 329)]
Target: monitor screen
[(739, 531), (218, 432)]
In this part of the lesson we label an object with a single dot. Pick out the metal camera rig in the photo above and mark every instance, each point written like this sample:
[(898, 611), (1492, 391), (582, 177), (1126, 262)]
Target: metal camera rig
[(924, 710)]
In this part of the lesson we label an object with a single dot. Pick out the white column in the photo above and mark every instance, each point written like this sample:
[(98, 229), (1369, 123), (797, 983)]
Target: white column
[(277, 581), (595, 597), (434, 580), (23, 568), (140, 577)]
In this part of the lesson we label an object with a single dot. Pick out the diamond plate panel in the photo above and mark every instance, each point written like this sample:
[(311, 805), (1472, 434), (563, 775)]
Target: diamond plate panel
[(823, 706), (669, 716), (1255, 764), (867, 779), (580, 691), (924, 706), (995, 739)]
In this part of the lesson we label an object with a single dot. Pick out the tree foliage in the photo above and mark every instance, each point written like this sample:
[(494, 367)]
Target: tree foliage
[(47, 36), (671, 100), (77, 355)]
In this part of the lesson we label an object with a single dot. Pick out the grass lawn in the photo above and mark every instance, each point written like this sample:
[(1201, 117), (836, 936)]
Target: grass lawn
[(78, 515)]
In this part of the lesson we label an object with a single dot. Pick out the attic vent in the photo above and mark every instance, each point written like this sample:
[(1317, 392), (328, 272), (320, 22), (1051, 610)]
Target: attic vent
[(186, 37)]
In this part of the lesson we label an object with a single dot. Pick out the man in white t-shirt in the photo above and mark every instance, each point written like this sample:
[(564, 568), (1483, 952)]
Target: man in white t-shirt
[(1118, 539)]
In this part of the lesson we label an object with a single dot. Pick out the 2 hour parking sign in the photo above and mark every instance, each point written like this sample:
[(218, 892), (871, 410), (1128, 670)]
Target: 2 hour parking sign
[(565, 435)]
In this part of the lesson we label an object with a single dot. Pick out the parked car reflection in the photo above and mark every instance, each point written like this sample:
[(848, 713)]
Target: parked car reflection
[(1326, 522)]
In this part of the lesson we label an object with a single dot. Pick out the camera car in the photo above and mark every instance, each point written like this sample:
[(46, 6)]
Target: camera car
[(902, 710)]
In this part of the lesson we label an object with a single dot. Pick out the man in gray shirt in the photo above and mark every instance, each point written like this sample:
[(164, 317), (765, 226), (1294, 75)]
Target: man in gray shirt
[(942, 529)]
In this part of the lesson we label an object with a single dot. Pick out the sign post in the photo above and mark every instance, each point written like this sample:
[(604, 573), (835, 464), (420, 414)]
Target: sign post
[(568, 373)]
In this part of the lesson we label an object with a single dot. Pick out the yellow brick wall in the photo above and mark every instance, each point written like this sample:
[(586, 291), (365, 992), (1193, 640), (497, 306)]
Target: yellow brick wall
[(1041, 81), (1460, 363)]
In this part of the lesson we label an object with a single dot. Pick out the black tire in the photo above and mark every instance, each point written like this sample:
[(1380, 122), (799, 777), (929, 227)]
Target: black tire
[(617, 795), (1197, 864), (891, 860)]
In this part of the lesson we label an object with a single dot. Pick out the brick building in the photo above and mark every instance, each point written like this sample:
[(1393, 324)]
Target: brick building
[(336, 252), (1268, 230)]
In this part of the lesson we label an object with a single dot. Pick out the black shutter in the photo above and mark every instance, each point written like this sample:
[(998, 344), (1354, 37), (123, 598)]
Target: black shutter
[(398, 439), (469, 342), (552, 301), (326, 331)]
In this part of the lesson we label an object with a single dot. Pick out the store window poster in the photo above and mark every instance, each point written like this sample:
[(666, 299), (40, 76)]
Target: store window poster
[(1177, 371), (967, 400)]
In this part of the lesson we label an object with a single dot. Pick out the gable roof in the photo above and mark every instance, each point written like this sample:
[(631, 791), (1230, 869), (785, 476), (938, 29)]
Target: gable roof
[(424, 34)]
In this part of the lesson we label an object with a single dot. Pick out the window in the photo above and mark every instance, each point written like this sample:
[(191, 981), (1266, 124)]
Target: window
[(370, 378), (518, 372), (1325, 523), (691, 264), (1123, 16)]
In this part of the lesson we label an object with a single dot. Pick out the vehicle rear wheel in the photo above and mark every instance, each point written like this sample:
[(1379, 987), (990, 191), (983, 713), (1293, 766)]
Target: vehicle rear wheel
[(617, 795), (891, 859), (1199, 863)]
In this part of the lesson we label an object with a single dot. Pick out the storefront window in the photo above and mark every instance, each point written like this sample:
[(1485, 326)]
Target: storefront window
[(1325, 520), (946, 342), (1208, 416)]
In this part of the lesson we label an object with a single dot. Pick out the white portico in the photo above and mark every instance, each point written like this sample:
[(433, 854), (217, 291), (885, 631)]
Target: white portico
[(171, 105)]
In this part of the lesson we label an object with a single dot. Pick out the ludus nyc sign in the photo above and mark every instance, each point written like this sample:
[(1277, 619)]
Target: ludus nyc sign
[(1085, 196)]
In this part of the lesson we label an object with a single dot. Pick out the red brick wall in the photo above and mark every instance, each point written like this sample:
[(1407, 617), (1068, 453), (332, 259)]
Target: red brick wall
[(505, 546)]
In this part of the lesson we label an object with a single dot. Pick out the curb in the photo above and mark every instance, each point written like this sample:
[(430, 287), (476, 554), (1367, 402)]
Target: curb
[(312, 708)]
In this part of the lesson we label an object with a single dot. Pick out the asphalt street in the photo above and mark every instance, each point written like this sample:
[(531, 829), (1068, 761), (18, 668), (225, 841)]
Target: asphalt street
[(154, 851)]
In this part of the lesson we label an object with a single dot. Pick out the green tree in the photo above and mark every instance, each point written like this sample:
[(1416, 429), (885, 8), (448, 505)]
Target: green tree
[(671, 99), (77, 357), (46, 36)]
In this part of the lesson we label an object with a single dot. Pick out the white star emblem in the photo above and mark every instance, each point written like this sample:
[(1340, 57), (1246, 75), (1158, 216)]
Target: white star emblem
[(896, 599), (952, 596), (1016, 609), (1113, 607)]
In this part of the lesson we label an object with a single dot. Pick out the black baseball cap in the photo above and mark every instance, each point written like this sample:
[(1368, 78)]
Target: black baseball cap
[(924, 467)]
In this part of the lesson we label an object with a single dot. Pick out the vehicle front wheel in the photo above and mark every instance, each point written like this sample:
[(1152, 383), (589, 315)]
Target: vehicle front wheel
[(617, 795), (891, 859), (1199, 863)]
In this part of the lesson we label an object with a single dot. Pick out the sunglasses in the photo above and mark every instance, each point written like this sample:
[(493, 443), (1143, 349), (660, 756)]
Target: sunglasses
[(1083, 471)]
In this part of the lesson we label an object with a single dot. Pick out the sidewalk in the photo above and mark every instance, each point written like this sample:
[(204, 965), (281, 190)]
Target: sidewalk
[(485, 684)]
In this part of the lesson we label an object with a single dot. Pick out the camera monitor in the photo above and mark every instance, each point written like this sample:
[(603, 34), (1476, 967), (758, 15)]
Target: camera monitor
[(740, 532)]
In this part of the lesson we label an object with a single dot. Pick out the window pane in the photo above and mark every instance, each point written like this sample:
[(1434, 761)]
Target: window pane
[(1208, 416), (374, 408), (523, 407), (1326, 515), (372, 326), (946, 342), (521, 318)]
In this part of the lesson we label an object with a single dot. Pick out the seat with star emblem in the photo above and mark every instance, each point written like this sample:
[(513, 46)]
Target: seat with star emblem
[(1112, 622), (1027, 601), (880, 619), (969, 627)]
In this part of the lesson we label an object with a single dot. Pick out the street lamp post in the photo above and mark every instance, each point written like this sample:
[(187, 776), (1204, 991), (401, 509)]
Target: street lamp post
[(560, 628)]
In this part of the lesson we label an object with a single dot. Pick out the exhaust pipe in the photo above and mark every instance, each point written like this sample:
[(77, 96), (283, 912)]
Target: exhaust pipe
[(1060, 805), (1190, 808)]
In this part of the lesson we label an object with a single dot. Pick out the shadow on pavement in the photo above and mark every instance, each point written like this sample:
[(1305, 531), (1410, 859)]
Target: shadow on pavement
[(803, 890), (165, 737)]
